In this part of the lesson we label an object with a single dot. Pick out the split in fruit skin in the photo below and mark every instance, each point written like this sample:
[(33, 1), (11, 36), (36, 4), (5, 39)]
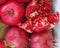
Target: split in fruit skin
[(38, 8), (40, 23)]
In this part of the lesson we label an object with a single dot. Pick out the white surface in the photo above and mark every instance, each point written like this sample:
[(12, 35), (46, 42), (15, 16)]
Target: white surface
[(56, 6)]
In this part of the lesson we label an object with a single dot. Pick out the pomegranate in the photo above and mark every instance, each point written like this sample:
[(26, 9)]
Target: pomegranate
[(12, 13), (38, 8), (41, 40), (16, 37), (40, 24), (2, 1), (23, 0), (53, 19), (2, 45), (27, 26)]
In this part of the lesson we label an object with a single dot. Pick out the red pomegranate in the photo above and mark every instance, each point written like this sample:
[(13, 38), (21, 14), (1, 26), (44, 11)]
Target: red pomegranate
[(16, 37), (12, 13), (27, 26), (41, 40), (38, 8), (40, 24)]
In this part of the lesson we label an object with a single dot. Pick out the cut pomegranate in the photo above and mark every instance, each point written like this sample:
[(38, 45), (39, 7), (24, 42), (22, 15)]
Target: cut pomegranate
[(53, 19), (40, 24), (38, 7), (27, 26)]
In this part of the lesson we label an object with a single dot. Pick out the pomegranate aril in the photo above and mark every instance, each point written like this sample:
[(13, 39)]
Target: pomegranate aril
[(53, 19), (27, 26), (40, 24), (38, 7)]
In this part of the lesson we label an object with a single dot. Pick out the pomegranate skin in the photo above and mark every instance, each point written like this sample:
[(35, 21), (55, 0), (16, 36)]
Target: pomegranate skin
[(2, 1), (12, 13), (16, 37), (23, 0), (41, 40)]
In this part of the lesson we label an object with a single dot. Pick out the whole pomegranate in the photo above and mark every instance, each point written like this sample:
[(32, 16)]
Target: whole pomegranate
[(38, 8), (12, 13), (2, 1), (16, 37), (41, 40)]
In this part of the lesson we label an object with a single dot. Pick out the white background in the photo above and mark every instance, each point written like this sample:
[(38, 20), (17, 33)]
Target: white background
[(56, 7)]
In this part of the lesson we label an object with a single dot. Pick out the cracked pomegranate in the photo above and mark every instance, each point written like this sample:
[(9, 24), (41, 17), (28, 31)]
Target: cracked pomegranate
[(27, 26), (53, 19), (38, 8), (40, 24)]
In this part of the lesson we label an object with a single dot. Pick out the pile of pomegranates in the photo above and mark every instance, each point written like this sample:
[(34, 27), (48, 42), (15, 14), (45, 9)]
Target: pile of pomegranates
[(27, 23)]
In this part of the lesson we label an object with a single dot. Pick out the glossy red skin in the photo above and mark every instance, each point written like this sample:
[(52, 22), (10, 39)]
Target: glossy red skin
[(2, 1), (17, 12), (41, 40), (36, 8), (2, 45), (53, 19), (27, 26), (23, 0), (40, 24), (16, 37)]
